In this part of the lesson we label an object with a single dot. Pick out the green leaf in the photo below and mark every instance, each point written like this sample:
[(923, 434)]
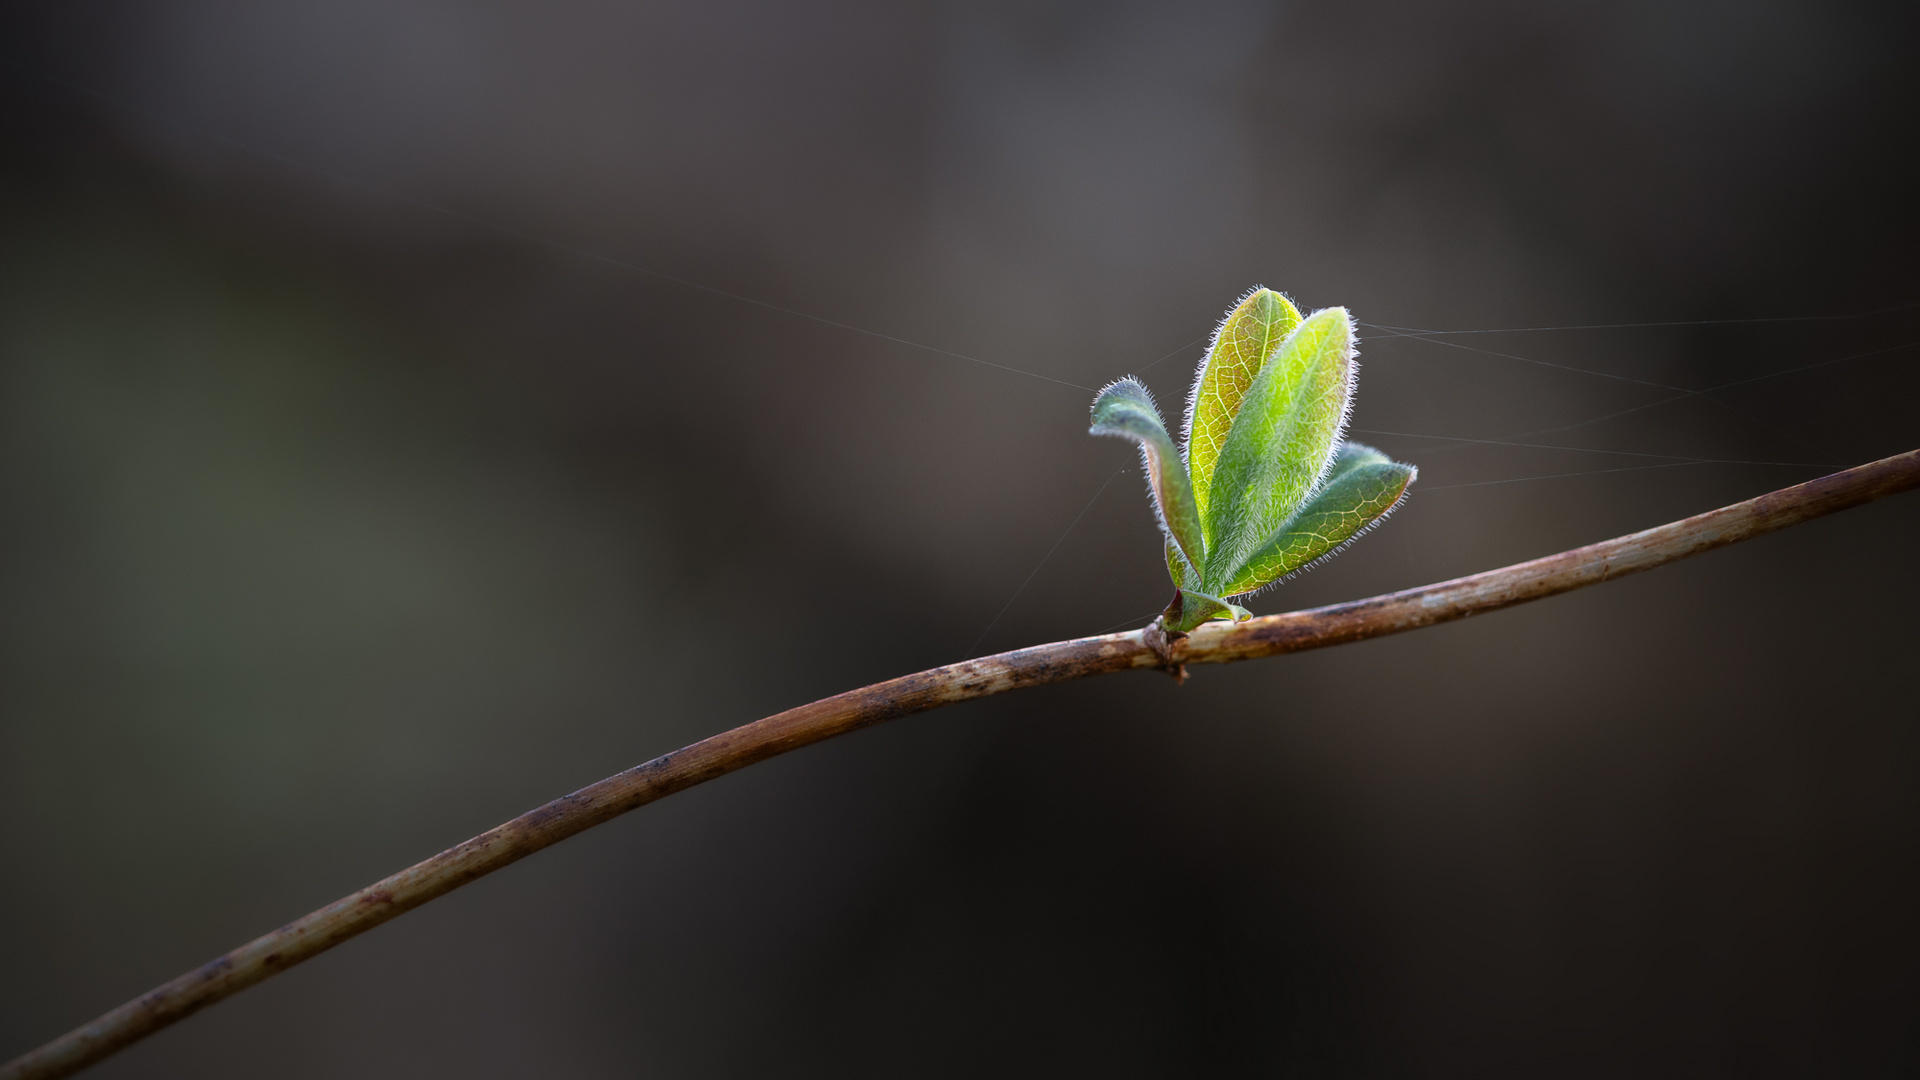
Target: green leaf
[(1282, 441), (1360, 489), (1126, 410), (1183, 575), (1241, 345), (1265, 486)]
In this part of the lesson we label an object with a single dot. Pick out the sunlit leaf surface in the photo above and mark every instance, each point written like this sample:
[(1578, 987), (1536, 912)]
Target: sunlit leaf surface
[(1282, 440), (1360, 488), (1245, 338), (1265, 486)]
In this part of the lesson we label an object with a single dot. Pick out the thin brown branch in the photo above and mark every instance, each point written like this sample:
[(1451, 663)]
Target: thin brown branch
[(1214, 644)]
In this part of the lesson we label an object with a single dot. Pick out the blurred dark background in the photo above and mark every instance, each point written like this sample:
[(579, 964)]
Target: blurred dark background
[(365, 483)]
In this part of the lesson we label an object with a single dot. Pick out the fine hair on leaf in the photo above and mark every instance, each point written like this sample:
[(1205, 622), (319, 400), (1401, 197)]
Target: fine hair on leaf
[(1125, 409), (1264, 484)]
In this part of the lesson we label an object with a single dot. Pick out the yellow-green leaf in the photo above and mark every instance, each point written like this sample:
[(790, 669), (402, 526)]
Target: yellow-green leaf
[(1359, 490), (1241, 345), (1183, 576), (1281, 442)]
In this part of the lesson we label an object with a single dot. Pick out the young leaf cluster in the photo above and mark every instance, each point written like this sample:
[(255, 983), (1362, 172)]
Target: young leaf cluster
[(1264, 485)]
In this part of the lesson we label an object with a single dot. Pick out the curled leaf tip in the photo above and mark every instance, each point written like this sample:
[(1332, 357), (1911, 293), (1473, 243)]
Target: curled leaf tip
[(1125, 409)]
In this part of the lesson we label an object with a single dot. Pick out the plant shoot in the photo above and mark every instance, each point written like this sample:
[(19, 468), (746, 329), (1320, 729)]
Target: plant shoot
[(1265, 486)]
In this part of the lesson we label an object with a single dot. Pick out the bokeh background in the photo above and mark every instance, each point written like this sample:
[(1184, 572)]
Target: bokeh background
[(415, 410)]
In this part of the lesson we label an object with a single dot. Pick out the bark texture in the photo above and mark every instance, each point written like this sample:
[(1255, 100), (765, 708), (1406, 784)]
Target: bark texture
[(1216, 643)]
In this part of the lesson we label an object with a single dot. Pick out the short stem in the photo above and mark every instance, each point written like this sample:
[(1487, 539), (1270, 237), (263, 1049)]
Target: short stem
[(1189, 610)]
